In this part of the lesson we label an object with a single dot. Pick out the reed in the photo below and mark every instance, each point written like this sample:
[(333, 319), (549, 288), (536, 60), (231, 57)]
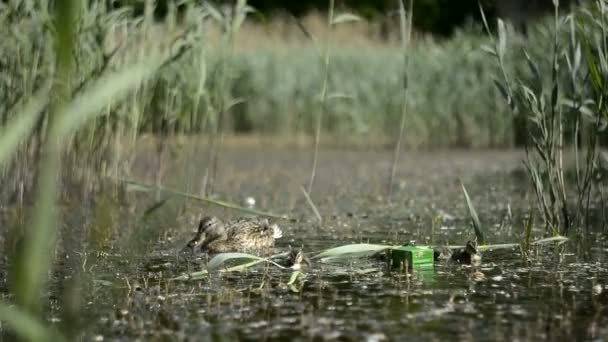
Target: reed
[(406, 36), (548, 106)]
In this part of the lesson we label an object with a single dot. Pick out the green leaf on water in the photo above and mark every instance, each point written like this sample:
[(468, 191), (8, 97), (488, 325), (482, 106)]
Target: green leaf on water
[(222, 258), (474, 217), (217, 261), (351, 251)]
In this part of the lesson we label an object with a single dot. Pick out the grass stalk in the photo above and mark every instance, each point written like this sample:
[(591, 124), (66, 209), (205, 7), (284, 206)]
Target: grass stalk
[(323, 100), (406, 33), (38, 248), (166, 191), (312, 205)]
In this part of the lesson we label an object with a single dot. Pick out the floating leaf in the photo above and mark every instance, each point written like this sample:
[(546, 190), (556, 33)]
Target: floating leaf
[(351, 251), (222, 258)]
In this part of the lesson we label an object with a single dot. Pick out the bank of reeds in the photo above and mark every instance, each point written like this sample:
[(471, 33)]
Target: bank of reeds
[(79, 80), (562, 102), (274, 89)]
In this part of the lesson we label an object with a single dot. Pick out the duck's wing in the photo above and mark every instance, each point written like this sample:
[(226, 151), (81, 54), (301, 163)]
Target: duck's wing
[(253, 233)]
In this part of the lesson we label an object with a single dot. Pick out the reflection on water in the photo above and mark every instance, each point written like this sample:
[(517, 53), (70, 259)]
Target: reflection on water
[(561, 292)]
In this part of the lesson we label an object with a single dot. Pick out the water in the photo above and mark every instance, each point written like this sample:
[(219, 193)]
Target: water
[(560, 293)]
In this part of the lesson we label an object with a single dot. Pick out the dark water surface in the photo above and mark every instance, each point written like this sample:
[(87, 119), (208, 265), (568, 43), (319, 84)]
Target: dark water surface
[(559, 293)]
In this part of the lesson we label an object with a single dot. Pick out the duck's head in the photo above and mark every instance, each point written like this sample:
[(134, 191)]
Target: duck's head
[(471, 247), (472, 251), (209, 228), (297, 260)]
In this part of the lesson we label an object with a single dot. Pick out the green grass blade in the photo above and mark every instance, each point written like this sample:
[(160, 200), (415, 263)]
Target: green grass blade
[(312, 204), (18, 129), (146, 187), (482, 248), (27, 326), (107, 89), (474, 217), (559, 239)]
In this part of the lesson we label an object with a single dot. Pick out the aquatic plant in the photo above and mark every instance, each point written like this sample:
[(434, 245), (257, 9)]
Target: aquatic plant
[(72, 103), (406, 36), (332, 19), (573, 93), (474, 218), (333, 255)]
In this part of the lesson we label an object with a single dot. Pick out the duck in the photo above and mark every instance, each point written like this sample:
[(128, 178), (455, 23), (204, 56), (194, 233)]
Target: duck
[(468, 256), (246, 235)]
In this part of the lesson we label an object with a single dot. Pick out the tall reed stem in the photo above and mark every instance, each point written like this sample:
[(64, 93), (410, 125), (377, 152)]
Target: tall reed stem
[(406, 33), (319, 125)]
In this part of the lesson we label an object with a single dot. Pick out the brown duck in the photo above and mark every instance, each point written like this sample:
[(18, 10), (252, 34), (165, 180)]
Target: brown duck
[(247, 235)]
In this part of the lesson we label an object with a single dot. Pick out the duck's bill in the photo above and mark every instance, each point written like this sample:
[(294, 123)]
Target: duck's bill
[(196, 241)]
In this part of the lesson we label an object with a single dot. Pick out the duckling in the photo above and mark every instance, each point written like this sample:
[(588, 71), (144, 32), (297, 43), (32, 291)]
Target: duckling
[(468, 256), (243, 235), (296, 260)]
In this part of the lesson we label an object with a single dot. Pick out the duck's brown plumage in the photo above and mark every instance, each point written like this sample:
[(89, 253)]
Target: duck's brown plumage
[(248, 235)]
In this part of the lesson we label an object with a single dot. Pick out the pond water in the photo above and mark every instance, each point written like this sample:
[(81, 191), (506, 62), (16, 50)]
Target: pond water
[(558, 293)]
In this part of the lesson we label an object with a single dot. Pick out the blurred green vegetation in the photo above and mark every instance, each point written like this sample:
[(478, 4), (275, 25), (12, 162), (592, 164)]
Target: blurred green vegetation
[(453, 100), (79, 83), (440, 17)]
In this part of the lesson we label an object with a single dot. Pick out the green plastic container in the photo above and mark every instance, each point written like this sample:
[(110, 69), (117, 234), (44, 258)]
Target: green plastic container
[(416, 257)]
